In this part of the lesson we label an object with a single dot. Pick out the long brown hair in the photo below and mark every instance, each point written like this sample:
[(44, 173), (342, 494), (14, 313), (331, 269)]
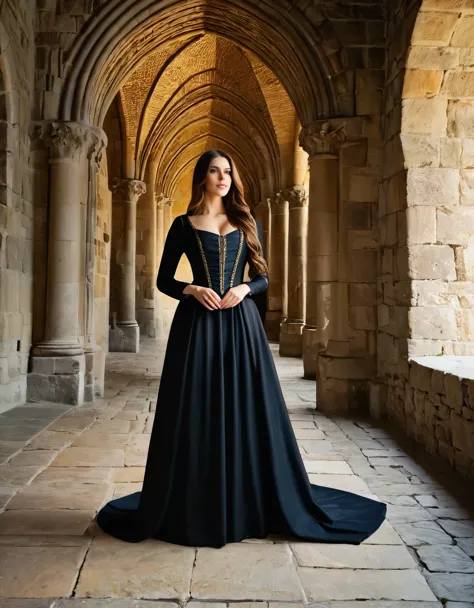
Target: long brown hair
[(236, 208)]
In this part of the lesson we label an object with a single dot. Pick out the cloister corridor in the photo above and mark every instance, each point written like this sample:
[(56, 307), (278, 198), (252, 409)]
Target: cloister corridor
[(351, 126), (61, 463)]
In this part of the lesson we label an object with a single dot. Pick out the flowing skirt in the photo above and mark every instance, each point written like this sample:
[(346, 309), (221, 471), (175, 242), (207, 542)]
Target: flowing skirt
[(223, 463)]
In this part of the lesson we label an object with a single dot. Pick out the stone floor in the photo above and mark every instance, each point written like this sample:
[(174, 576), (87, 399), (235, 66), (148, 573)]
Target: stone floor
[(60, 464)]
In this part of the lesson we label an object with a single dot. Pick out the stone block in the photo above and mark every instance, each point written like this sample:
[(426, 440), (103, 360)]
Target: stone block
[(424, 116), (460, 118), (124, 339), (421, 83), (451, 151), (421, 225), (432, 323), (362, 294), (433, 28), (455, 226), (463, 434), (431, 262), (458, 84), (325, 584), (462, 36), (363, 266), (362, 317), (438, 58), (432, 187), (467, 186), (36, 572), (420, 150)]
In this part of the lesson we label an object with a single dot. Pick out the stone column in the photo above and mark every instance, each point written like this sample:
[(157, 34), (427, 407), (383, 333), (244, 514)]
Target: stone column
[(147, 268), (58, 362), (322, 144), (125, 337), (328, 353), (277, 285), (160, 242), (91, 349), (291, 331)]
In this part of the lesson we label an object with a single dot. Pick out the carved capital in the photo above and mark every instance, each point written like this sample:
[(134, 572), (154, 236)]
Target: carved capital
[(97, 145), (296, 196), (323, 137), (128, 190), (68, 140), (161, 200)]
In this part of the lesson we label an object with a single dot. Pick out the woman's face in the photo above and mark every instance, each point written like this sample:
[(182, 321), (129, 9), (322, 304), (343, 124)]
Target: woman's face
[(218, 178)]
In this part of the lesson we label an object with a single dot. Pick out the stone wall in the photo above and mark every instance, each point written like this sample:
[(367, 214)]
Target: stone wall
[(16, 209), (437, 410)]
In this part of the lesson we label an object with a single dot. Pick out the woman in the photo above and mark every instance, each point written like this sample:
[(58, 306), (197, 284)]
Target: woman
[(223, 462)]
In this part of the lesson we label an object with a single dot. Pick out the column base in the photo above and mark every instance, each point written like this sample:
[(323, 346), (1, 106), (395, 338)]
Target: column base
[(56, 380), (95, 374), (311, 347), (124, 338), (146, 322), (272, 324), (343, 384), (291, 339)]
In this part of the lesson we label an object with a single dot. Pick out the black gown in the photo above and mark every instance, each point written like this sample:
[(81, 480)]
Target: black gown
[(223, 463)]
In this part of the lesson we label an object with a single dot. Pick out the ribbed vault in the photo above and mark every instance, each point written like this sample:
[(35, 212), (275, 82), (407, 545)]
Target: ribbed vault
[(120, 38), (209, 93)]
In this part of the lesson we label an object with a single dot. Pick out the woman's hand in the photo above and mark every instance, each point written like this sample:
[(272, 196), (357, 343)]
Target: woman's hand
[(207, 296), (234, 296)]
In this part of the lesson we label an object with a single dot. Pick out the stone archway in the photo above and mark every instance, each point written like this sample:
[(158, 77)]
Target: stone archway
[(119, 40)]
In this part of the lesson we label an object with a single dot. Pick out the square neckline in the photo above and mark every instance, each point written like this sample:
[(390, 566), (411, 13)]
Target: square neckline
[(209, 231)]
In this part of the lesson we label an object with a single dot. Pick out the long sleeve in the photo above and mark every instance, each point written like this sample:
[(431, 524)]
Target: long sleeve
[(259, 283), (172, 252)]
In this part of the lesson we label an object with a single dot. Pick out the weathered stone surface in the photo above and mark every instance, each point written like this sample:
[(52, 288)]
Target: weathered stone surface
[(160, 570), (45, 522), (38, 571), (40, 496), (456, 227), (450, 559), (423, 533), (65, 475), (373, 557), (453, 586), (328, 467), (461, 529), (327, 584), (89, 457), (432, 187), (267, 570), (431, 261)]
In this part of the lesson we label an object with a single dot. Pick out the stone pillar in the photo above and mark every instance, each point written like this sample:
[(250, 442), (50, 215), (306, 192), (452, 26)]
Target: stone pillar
[(58, 361), (93, 355), (278, 266), (146, 270), (327, 350), (125, 336), (160, 243), (291, 331)]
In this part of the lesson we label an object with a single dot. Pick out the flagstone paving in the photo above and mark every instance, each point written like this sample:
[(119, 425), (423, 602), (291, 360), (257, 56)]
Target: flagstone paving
[(59, 464)]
